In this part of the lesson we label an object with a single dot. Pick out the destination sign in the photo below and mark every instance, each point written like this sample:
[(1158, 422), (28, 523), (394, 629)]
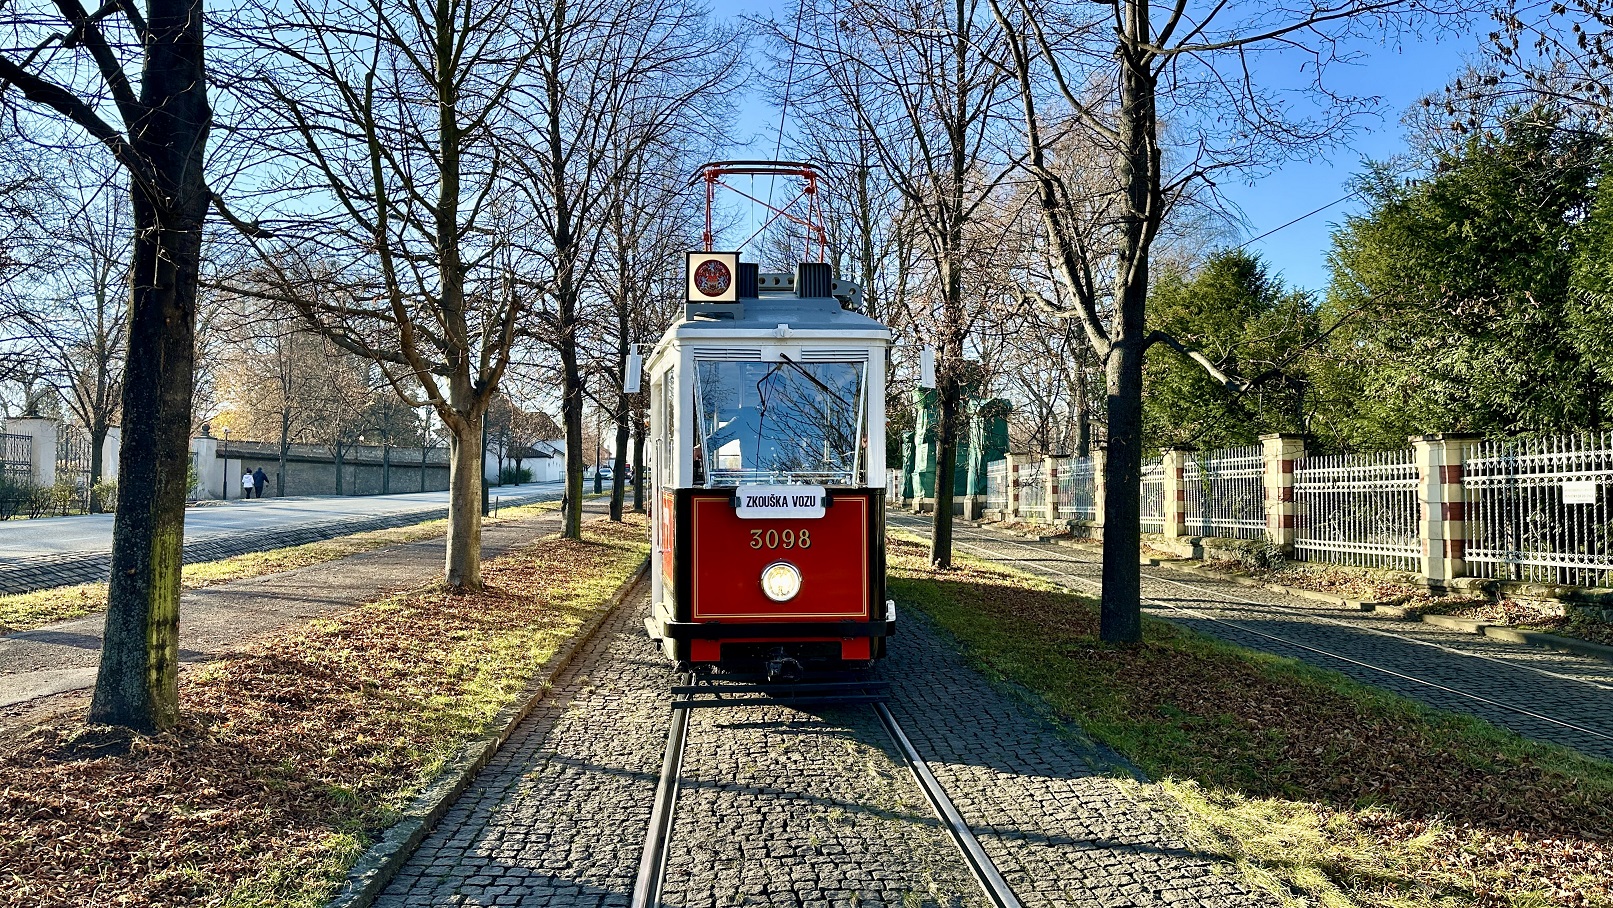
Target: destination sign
[(774, 502)]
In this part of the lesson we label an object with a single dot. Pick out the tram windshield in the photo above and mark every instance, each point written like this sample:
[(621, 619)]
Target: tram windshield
[(780, 422)]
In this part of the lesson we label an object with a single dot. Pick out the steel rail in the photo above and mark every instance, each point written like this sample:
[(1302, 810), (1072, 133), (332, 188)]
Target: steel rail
[(652, 862), (1322, 652), (979, 863)]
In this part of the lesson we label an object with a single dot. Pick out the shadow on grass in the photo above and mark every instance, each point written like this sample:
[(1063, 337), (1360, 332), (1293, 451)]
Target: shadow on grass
[(1185, 707)]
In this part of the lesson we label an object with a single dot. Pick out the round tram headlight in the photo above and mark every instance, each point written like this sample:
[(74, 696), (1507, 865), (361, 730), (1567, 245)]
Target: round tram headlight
[(781, 580)]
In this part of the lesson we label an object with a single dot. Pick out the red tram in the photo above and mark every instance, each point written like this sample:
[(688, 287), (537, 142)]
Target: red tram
[(767, 437)]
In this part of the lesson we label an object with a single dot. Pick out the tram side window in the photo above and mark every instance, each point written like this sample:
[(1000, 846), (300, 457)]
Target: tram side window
[(778, 422)]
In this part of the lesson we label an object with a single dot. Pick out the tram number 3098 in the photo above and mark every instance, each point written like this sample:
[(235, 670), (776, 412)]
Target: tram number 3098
[(773, 539)]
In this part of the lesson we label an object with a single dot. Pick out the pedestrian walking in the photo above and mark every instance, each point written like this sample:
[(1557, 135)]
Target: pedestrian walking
[(247, 485), (259, 480)]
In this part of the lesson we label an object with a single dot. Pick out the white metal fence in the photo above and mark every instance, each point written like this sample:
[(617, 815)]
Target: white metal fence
[(1537, 509), (997, 485), (1357, 509), (1032, 482), (1226, 493), (1077, 489), (1151, 503)]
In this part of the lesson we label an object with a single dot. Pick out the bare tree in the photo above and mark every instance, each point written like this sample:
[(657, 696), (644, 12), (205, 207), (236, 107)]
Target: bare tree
[(1111, 75), (613, 80), (74, 66), (640, 275), (84, 318), (389, 143), (920, 81)]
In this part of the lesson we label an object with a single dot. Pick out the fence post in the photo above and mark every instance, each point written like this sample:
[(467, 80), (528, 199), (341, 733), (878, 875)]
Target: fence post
[(43, 431), (1174, 460), (1280, 451), (1011, 480), (1442, 504), (1100, 459), (1051, 471)]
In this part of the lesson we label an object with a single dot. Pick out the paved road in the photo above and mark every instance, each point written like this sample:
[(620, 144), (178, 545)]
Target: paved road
[(785, 808), (1549, 696), (61, 551), (93, 532)]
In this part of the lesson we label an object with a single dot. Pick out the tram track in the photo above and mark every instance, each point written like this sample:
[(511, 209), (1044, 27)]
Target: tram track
[(658, 839), (993, 550)]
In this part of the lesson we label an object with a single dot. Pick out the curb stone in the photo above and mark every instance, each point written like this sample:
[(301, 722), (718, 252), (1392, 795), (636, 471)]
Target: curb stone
[(376, 868), (1394, 612)]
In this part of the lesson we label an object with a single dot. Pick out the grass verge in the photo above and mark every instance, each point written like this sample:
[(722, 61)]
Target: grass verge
[(293, 753), (1323, 791), (26, 611)]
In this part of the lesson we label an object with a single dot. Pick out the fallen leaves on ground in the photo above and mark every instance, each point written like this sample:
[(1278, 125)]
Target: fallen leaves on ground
[(294, 751), (1413, 807)]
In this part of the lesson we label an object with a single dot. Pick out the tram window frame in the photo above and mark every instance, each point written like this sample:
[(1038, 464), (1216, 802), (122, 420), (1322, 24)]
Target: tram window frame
[(854, 456)]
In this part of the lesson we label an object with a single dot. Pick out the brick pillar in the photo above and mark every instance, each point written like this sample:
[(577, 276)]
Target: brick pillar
[(1011, 477), (1442, 503), (1055, 467), (1100, 460), (1174, 460), (1280, 452)]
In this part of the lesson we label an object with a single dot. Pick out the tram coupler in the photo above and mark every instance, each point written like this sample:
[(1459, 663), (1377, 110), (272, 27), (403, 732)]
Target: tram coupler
[(782, 668)]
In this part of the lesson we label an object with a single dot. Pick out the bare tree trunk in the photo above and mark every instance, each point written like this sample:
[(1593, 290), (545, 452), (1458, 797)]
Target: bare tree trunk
[(464, 562), (98, 433), (638, 467), (137, 685), (571, 415), (1120, 619), (619, 479)]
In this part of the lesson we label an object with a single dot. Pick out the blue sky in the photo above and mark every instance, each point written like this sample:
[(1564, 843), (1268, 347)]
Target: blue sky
[(1398, 74)]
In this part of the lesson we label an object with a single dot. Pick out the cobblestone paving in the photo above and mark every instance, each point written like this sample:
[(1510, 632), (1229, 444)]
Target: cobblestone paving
[(43, 572), (785, 807), (782, 807), (1521, 688), (1047, 805), (558, 817)]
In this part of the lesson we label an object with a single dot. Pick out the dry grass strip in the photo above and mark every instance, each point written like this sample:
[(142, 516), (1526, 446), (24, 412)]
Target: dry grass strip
[(295, 751), (1324, 791)]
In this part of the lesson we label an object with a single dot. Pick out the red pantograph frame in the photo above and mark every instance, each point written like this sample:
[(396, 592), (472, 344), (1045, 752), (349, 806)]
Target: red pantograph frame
[(712, 175)]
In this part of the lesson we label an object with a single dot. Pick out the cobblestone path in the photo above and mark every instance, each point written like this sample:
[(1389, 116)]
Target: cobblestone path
[(1548, 696), (782, 807)]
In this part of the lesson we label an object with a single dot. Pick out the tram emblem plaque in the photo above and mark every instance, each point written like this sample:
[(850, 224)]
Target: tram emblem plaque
[(774, 502), (713, 277)]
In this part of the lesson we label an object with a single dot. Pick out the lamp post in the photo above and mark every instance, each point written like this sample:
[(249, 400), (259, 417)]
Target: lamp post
[(482, 467), (224, 487)]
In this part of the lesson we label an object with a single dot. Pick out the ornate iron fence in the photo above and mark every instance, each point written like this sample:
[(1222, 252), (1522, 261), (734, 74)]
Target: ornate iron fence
[(997, 485), (1357, 509), (1538, 510), (1032, 481), (1077, 489), (17, 459), (73, 466), (1226, 493), (1151, 503)]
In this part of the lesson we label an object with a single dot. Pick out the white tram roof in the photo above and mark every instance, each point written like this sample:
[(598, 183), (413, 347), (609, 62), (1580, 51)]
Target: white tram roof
[(772, 318)]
